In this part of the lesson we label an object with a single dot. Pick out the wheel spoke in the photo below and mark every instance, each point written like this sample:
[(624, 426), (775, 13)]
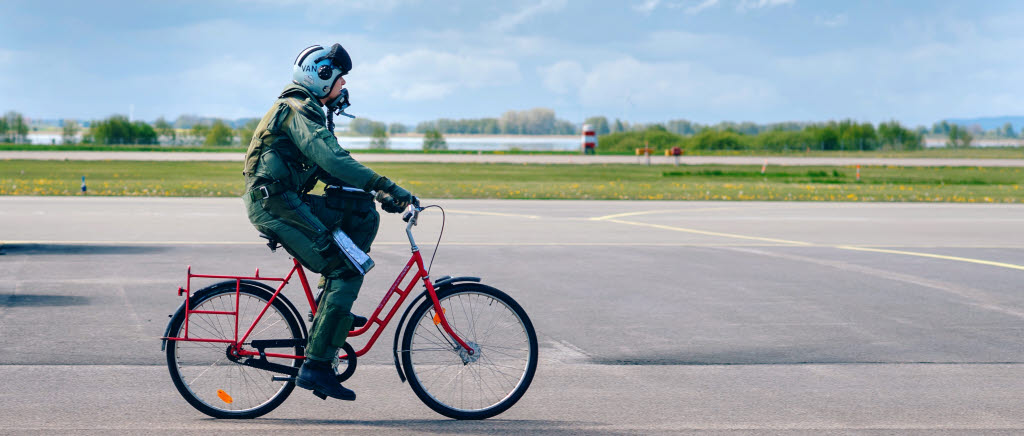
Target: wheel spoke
[(213, 382), (455, 383)]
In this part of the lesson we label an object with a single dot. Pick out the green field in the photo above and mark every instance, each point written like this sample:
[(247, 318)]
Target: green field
[(511, 181)]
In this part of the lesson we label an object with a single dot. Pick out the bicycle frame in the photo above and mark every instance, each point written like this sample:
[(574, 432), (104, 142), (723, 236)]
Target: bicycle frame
[(298, 270)]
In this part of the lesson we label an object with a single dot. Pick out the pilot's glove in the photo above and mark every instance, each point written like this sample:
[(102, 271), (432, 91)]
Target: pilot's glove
[(399, 197), (388, 203)]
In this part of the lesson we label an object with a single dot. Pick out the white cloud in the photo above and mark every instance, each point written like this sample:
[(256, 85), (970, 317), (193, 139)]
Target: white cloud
[(672, 87), (424, 91), (510, 21), (562, 77), (483, 43), (430, 75), (231, 72), (746, 5), (6, 56), (646, 6), (697, 8), (337, 5), (838, 20), (694, 7), (916, 82), (677, 42)]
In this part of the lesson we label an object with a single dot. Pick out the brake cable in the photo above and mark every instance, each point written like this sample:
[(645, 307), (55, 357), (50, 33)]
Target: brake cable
[(438, 244), (431, 265)]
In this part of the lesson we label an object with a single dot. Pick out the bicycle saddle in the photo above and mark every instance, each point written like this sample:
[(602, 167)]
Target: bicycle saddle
[(271, 242)]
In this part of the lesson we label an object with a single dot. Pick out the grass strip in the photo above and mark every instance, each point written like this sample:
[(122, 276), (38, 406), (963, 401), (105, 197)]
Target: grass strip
[(534, 181)]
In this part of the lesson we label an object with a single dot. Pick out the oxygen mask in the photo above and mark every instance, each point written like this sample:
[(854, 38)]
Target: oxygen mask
[(339, 104)]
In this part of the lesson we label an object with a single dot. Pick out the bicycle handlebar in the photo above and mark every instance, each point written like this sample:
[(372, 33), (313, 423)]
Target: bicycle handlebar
[(411, 215), (412, 211)]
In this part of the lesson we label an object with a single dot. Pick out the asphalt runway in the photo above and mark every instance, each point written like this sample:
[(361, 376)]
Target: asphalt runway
[(577, 159), (653, 317)]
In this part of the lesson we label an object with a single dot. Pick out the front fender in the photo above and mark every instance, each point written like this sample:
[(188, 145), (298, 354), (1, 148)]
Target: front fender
[(439, 284)]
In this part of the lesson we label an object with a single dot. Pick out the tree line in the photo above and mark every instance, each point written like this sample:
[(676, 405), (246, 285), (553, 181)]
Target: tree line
[(946, 128), (117, 129), (536, 121), (845, 135), (13, 128), (832, 135)]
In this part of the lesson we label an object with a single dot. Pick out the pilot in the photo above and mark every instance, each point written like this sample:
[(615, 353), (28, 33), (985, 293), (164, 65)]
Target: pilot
[(292, 149)]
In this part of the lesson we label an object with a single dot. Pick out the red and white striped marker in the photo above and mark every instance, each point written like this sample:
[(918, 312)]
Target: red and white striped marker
[(764, 167), (589, 139), (858, 172)]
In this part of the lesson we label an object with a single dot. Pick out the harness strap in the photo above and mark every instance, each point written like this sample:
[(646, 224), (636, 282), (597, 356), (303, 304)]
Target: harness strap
[(265, 191)]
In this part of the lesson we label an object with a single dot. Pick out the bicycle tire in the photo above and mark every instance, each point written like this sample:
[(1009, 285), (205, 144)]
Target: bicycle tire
[(428, 354), (244, 395)]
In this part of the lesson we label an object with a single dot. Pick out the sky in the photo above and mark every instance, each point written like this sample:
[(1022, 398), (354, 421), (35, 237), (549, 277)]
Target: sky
[(639, 60)]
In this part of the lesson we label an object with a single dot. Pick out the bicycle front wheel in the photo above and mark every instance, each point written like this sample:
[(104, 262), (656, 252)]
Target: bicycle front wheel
[(208, 375), (462, 386)]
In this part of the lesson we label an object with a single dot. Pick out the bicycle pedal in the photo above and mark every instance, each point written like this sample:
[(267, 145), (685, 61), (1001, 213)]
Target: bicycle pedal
[(322, 395)]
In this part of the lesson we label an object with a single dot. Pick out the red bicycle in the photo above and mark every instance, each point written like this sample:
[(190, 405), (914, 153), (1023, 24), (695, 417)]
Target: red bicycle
[(468, 350)]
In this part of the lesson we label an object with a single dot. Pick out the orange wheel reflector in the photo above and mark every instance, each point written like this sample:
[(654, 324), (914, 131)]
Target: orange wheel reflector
[(224, 396), (437, 316)]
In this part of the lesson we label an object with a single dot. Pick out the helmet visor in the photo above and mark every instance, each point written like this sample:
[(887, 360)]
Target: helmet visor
[(339, 58)]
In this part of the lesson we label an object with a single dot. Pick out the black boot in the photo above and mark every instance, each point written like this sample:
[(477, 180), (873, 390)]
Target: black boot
[(321, 379)]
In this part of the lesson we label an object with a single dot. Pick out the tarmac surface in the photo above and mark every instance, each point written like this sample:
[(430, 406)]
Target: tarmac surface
[(525, 158), (653, 317)]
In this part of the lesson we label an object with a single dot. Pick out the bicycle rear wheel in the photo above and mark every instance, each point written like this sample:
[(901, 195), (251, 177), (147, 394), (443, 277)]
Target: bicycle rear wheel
[(477, 386), (207, 375)]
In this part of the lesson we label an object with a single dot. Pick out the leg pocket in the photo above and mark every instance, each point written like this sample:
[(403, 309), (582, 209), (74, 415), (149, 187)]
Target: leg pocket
[(363, 230), (288, 208), (330, 217)]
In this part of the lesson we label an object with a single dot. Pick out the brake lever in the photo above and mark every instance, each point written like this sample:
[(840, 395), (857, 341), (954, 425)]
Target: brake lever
[(410, 212)]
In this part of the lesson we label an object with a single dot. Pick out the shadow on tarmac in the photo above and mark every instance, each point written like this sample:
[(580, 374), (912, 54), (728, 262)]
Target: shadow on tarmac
[(31, 300), (76, 249), (443, 425)]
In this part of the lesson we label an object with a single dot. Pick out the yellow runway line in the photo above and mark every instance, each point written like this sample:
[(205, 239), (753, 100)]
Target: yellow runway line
[(703, 232), (474, 212), (934, 256), (808, 244), (649, 212)]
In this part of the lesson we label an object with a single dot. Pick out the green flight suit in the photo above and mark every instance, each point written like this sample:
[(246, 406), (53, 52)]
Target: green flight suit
[(290, 150)]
